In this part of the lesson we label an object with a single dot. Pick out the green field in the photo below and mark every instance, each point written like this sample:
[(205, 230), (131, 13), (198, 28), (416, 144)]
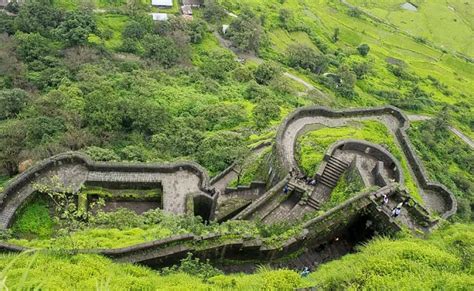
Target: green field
[(448, 24)]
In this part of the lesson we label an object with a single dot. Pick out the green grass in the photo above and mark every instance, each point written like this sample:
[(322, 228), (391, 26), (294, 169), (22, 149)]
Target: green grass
[(114, 23), (349, 185), (3, 181), (446, 23), (443, 261), (34, 220), (312, 146)]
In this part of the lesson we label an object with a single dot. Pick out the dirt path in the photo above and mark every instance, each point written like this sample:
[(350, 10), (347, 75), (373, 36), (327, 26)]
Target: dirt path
[(252, 57), (461, 135), (458, 133), (301, 81)]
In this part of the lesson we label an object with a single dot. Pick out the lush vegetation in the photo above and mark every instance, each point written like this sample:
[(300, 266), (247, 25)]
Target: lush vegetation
[(447, 159), (312, 146), (99, 76), (443, 261)]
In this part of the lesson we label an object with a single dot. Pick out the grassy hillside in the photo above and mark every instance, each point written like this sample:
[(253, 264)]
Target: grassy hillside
[(445, 23), (101, 77), (443, 261), (446, 79)]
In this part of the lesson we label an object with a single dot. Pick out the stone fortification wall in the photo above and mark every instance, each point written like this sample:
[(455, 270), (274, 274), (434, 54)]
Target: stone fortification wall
[(217, 248), (75, 169), (374, 150), (282, 165)]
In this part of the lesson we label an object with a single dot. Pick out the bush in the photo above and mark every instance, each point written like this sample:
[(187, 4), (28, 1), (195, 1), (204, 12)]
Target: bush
[(301, 56), (161, 49), (12, 102), (266, 72), (363, 49), (100, 154)]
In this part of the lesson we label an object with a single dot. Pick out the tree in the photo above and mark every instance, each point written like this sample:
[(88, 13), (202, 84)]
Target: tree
[(441, 121), (161, 49), (12, 102), (101, 154), (361, 69), (13, 7), (265, 111), (6, 23), (218, 63), (220, 150), (305, 57), (246, 32), (12, 142), (335, 36), (197, 30), (38, 16), (213, 12), (363, 49), (32, 47), (266, 72), (76, 27), (134, 30), (284, 15)]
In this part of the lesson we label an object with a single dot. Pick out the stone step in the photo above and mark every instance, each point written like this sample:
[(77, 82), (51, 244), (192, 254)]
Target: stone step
[(338, 161), (336, 166), (314, 203), (332, 175), (335, 171), (327, 183)]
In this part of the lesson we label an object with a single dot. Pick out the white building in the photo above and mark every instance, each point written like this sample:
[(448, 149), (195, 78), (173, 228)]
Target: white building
[(162, 3), (159, 16)]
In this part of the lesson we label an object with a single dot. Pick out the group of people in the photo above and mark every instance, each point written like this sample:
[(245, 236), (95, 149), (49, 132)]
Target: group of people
[(302, 177), (397, 209)]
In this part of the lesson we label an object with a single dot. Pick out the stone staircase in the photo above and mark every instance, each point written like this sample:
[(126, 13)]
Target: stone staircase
[(333, 171), (313, 203)]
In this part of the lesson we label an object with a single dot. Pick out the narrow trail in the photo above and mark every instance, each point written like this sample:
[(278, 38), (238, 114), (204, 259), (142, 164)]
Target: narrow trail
[(462, 136), (252, 57)]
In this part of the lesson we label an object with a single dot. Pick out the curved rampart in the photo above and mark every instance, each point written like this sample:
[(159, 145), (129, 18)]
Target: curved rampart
[(284, 164), (79, 168), (371, 149), (217, 247)]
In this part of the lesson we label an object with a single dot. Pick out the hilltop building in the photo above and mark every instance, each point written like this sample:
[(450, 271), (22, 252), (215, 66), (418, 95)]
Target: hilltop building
[(159, 16), (162, 3)]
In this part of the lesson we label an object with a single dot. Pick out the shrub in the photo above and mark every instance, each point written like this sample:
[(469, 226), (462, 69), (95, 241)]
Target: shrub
[(101, 154), (266, 72), (363, 49)]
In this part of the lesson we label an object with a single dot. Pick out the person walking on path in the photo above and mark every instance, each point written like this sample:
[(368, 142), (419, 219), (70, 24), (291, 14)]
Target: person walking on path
[(398, 209), (305, 272)]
